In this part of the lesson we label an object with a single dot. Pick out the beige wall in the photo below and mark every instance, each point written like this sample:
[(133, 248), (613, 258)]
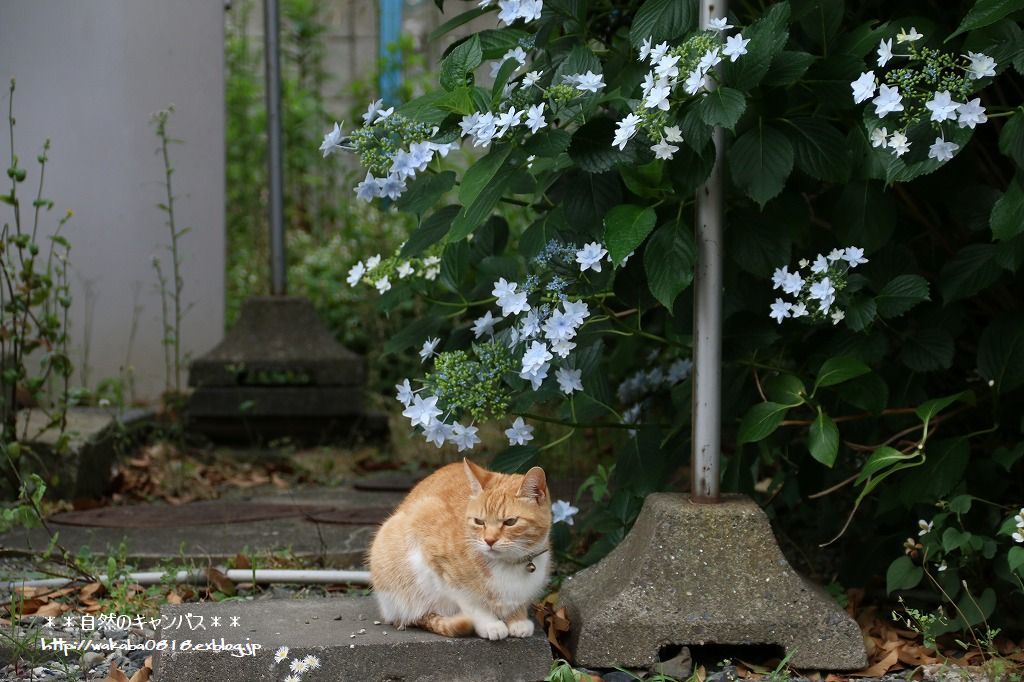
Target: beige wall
[(90, 74)]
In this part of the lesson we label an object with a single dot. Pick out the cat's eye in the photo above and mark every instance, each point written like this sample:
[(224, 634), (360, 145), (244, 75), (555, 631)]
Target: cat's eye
[(511, 521), (478, 522)]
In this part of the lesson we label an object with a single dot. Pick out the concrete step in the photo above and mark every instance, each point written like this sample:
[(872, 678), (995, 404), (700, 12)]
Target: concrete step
[(344, 634)]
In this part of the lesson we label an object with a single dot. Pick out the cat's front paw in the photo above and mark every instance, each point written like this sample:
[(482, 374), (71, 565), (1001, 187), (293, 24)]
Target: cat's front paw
[(520, 628), (491, 629)]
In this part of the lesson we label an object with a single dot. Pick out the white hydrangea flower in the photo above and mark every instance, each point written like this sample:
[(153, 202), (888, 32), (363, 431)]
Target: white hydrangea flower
[(427, 351), (562, 512), (332, 141), (383, 285), (879, 138), (735, 46), (780, 310), (981, 65), (355, 274), (368, 189), (942, 106), (569, 380), (854, 256), (589, 81), (464, 437), (663, 150), (911, 37), (535, 357), (625, 129), (531, 78), (404, 393), (371, 111), (422, 411), (719, 24), (645, 49), (925, 527), (971, 114), (437, 432), (884, 52), (485, 325), (590, 256), (673, 134), (942, 150), (899, 144), (520, 433), (889, 100), (404, 270), (838, 316), (535, 118), (864, 87)]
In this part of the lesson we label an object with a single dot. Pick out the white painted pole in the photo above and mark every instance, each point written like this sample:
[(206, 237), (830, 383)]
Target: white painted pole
[(705, 465), (238, 575)]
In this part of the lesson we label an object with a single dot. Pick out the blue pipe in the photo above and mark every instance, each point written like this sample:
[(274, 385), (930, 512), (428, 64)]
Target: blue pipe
[(390, 57)]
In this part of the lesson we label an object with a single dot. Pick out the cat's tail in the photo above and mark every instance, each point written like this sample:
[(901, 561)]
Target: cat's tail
[(448, 626)]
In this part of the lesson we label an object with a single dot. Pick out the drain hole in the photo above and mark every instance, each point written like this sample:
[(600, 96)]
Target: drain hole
[(712, 655)]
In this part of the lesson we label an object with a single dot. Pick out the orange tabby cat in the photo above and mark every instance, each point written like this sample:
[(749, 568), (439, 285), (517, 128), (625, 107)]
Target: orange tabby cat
[(467, 550)]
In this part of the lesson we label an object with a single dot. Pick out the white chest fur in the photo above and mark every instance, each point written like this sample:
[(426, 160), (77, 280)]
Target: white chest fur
[(515, 586)]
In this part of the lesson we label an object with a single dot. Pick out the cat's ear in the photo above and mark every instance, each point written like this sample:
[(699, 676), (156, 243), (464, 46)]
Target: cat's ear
[(476, 475), (534, 485)]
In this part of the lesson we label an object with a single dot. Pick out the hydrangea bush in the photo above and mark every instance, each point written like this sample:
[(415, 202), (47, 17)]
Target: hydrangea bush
[(874, 349)]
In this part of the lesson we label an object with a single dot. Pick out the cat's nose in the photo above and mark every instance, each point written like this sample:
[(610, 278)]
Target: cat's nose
[(490, 541)]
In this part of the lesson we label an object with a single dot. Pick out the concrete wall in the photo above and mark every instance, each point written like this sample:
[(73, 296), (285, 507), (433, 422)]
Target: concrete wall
[(90, 74)]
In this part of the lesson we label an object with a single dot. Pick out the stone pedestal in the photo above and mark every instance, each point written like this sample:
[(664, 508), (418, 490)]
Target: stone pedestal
[(695, 574), (280, 372)]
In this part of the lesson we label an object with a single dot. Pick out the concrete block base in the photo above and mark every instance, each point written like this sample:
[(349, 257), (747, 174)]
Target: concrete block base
[(343, 635), (695, 574)]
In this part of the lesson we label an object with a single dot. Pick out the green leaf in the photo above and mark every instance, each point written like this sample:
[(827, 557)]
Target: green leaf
[(481, 173), (669, 261), (592, 149), (1001, 353), (580, 60), (868, 392), (547, 143), (424, 191), (413, 334), (1007, 218), (480, 210), (458, 20), (860, 313), (823, 439), (928, 409), (625, 228), (1011, 138), (837, 370), (953, 539), (882, 458), (588, 197), (427, 108), (460, 63), (760, 422), (903, 574), (767, 38), (901, 294), (1015, 557), (928, 350), (722, 107), (516, 459), (431, 230), (761, 161), (455, 265), (961, 504), (985, 13), (787, 68), (973, 269), (663, 20), (865, 215), (785, 389), (821, 152)]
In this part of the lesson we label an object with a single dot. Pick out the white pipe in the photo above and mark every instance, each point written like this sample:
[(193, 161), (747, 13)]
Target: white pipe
[(706, 454), (238, 575)]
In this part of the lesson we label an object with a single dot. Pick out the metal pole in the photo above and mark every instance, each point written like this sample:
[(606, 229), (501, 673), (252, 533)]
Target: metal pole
[(705, 465), (278, 283)]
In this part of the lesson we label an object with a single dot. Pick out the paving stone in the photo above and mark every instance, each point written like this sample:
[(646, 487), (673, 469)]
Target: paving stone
[(340, 546), (324, 628), (694, 574)]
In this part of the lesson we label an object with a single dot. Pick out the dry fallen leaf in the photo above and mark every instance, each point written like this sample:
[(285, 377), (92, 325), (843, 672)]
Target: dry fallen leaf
[(881, 667), (116, 675), (173, 597), (52, 609), (220, 581)]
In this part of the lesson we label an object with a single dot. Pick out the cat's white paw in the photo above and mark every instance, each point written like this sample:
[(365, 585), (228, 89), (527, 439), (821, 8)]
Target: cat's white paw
[(491, 629), (520, 628)]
